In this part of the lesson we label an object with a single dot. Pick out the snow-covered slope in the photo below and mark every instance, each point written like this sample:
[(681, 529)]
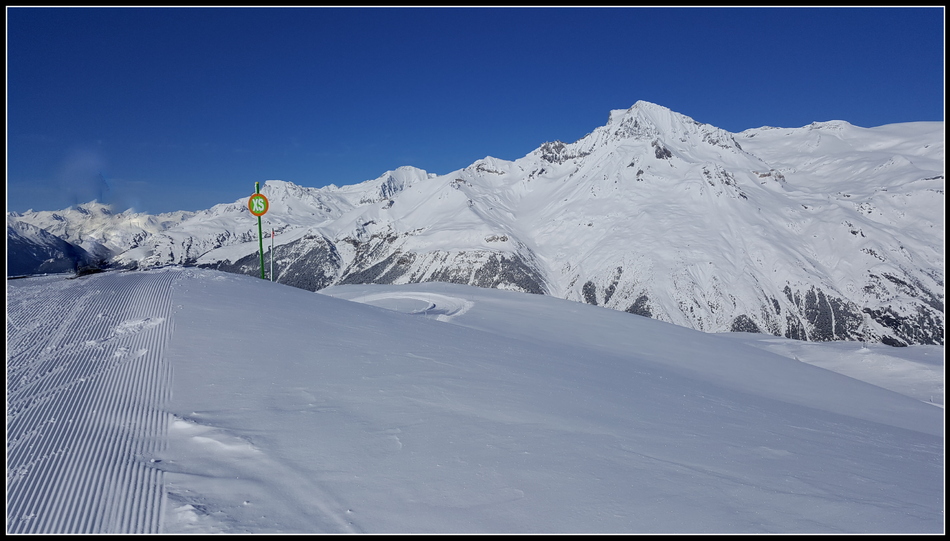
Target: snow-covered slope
[(825, 232), (193, 401)]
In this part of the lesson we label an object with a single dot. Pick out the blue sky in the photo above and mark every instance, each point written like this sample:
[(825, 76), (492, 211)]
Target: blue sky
[(163, 109)]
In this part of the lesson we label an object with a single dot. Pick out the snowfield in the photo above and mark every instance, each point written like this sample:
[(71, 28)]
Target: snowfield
[(181, 400)]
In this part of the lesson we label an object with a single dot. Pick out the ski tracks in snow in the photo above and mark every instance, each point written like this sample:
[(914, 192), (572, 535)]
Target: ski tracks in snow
[(89, 388), (86, 385), (432, 305)]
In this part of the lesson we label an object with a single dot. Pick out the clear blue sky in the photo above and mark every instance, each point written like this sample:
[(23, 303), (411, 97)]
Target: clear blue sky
[(166, 109)]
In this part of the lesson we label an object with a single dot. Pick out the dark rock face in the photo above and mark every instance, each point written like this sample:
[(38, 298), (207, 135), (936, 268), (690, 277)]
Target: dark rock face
[(509, 271), (54, 256), (612, 286), (923, 327), (310, 263), (590, 293), (922, 322), (744, 323), (480, 269), (557, 152), (640, 307), (660, 151), (383, 272), (794, 328), (823, 317)]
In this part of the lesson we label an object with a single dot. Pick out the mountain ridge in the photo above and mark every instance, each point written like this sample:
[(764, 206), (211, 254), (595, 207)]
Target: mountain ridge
[(825, 232)]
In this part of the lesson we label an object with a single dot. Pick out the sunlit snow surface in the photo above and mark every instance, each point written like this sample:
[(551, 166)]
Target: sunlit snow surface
[(185, 400)]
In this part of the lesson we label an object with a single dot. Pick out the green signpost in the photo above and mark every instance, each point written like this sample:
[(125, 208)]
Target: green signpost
[(258, 206)]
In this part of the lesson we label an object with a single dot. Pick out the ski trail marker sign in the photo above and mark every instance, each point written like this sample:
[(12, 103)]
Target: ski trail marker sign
[(258, 206)]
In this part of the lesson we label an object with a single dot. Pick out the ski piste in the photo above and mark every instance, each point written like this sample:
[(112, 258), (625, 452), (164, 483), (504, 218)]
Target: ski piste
[(184, 400)]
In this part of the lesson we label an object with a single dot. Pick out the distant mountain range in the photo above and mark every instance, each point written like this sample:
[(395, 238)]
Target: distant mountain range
[(825, 232), (31, 250)]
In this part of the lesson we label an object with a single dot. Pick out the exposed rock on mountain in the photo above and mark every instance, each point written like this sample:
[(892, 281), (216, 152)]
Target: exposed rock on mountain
[(824, 232)]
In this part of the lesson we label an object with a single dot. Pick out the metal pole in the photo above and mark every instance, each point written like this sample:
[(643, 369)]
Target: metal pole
[(260, 232), (272, 254)]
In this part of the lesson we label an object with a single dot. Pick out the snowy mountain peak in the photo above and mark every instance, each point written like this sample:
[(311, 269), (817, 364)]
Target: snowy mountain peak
[(385, 186), (94, 207), (497, 166), (644, 123), (653, 213), (642, 109), (644, 120), (830, 125), (658, 126)]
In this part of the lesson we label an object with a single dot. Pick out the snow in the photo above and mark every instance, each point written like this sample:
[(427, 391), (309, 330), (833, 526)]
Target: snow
[(181, 400), (97, 229), (826, 231), (31, 249), (915, 371)]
